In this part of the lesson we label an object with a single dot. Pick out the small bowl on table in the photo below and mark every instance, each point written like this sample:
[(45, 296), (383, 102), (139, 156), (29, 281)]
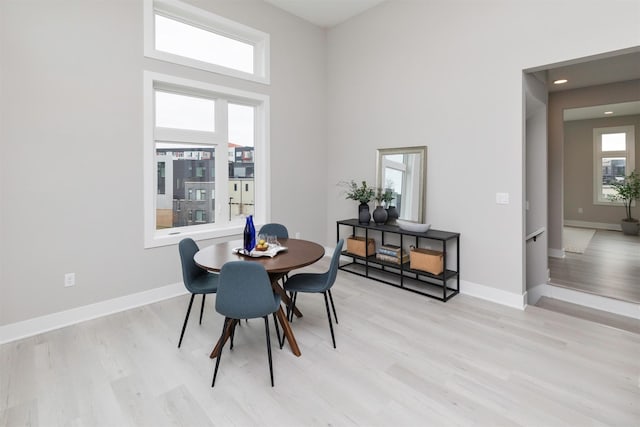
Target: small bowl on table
[(416, 227)]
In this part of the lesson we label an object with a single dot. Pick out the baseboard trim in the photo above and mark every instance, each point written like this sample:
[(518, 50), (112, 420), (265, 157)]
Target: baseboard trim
[(556, 253), (535, 293), (492, 294), (30, 327), (622, 308), (595, 225), (49, 322)]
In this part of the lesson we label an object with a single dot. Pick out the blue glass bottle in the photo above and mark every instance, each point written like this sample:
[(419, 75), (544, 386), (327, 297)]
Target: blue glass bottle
[(249, 235)]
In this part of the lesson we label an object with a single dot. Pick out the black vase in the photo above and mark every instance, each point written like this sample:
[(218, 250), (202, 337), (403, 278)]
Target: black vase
[(364, 217), (379, 215), (392, 215)]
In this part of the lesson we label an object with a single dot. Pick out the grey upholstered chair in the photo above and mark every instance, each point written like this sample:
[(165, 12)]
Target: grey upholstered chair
[(245, 292), (274, 229), (196, 280), (317, 283), (278, 230)]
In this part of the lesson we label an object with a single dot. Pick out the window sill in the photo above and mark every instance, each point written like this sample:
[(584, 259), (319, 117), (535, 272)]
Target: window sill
[(228, 232)]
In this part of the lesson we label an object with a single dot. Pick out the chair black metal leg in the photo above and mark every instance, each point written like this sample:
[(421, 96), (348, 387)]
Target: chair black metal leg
[(202, 307), (215, 372), (186, 319), (266, 328), (234, 323), (280, 341), (293, 306), (326, 303), (333, 306)]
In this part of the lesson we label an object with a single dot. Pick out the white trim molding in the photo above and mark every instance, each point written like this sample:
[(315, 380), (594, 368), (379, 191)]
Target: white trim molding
[(49, 322), (622, 308), (30, 327), (556, 253), (595, 225), (493, 294)]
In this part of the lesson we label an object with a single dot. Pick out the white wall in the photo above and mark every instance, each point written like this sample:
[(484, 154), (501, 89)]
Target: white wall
[(71, 142), (448, 74), (536, 181)]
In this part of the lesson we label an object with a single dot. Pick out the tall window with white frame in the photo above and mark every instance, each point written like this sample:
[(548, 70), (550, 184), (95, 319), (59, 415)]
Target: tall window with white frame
[(183, 34), (614, 158), (208, 149), (206, 146)]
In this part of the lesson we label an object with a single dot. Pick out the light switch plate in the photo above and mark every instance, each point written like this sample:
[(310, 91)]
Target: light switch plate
[(502, 198)]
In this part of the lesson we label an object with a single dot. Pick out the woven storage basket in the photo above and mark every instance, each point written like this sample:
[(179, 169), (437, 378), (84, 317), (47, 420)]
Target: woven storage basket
[(356, 245), (426, 260)]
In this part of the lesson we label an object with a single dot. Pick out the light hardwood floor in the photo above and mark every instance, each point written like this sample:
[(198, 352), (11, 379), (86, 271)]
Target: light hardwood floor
[(609, 267), (402, 360)]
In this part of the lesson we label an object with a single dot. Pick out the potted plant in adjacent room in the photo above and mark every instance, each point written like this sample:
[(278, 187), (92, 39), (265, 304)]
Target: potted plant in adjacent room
[(363, 194), (627, 191)]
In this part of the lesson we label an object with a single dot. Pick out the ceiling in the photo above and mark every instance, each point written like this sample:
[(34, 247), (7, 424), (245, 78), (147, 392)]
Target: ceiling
[(325, 13), (598, 111), (592, 72), (585, 72)]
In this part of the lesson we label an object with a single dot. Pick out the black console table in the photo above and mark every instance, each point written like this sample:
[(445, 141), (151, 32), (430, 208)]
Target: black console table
[(401, 275)]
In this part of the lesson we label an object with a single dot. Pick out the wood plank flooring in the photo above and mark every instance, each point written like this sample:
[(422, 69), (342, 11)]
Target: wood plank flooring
[(402, 360), (610, 267)]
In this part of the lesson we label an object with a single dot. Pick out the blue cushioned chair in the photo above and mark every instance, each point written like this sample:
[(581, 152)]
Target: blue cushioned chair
[(317, 283), (278, 230), (196, 280), (274, 229), (245, 292)]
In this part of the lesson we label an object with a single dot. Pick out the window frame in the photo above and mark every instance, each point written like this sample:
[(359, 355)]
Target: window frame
[(598, 155), (222, 227), (203, 19)]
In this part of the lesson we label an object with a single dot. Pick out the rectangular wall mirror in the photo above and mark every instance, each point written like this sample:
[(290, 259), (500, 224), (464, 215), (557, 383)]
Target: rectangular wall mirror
[(404, 171)]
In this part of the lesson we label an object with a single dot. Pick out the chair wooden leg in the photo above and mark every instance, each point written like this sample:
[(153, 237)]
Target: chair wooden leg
[(266, 328), (186, 319), (333, 306), (326, 303), (202, 307), (215, 372)]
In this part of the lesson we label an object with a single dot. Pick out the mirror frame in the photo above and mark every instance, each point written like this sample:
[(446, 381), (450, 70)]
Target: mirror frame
[(422, 179)]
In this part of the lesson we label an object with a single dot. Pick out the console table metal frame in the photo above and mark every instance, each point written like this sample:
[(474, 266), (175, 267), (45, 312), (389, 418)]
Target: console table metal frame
[(370, 262)]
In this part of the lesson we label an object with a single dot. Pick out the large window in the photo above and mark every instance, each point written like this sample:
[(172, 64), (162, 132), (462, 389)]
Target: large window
[(183, 34), (206, 151), (614, 158)]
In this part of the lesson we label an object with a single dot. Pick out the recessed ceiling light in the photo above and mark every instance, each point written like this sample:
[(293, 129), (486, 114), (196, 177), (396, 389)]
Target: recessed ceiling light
[(560, 81), (608, 112)]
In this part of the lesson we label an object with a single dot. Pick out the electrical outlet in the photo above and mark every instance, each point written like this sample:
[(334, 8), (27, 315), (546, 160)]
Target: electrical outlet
[(580, 210), (297, 234), (69, 279)]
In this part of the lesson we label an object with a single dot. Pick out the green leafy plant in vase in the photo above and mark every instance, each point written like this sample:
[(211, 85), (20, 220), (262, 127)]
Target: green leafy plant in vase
[(627, 191), (361, 193)]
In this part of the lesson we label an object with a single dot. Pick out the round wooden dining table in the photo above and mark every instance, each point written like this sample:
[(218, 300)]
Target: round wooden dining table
[(299, 253)]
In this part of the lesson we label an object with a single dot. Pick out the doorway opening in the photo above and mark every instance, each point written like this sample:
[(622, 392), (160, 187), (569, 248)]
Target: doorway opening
[(607, 79)]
